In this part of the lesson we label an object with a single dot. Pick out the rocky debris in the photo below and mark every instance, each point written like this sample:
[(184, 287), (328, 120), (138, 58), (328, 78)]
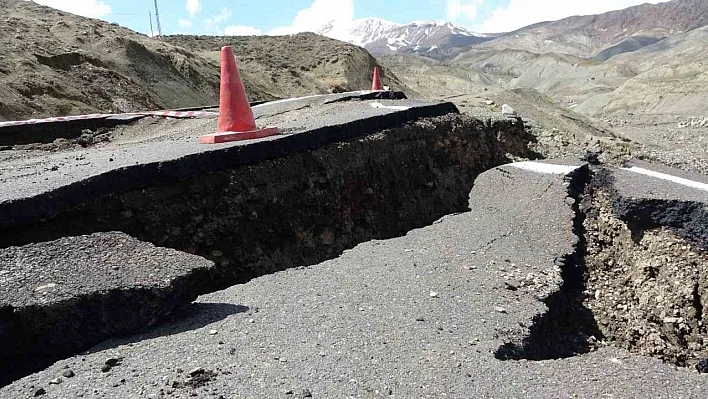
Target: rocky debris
[(694, 122), (198, 377), (507, 111), (63, 296), (646, 295), (663, 140), (702, 366)]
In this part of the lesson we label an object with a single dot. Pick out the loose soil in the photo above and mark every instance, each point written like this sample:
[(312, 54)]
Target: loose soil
[(646, 295)]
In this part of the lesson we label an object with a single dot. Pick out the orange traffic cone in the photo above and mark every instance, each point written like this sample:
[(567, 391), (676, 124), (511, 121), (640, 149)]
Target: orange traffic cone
[(377, 80), (236, 120)]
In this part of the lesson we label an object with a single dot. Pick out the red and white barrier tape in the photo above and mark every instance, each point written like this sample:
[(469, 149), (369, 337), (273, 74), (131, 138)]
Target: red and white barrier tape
[(165, 114)]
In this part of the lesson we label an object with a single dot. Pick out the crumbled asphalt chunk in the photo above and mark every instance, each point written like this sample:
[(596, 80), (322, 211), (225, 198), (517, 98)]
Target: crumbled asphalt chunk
[(702, 366), (69, 294), (197, 377), (197, 371), (113, 361)]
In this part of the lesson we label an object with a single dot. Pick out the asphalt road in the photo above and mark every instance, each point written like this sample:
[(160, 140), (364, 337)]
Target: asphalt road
[(648, 195), (60, 297), (36, 182), (417, 316)]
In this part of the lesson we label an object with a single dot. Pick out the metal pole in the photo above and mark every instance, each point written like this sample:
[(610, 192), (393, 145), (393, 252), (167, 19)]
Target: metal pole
[(152, 33)]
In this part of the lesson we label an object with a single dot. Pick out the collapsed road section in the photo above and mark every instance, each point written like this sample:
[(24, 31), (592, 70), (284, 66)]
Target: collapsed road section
[(58, 296), (415, 316), (647, 263), (342, 173)]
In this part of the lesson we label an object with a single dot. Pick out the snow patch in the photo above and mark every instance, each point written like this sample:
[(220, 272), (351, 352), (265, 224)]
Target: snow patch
[(362, 32)]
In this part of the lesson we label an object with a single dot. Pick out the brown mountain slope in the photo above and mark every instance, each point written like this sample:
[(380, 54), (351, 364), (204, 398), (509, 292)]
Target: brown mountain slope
[(571, 79), (672, 78), (432, 78), (586, 36), (286, 66), (55, 63)]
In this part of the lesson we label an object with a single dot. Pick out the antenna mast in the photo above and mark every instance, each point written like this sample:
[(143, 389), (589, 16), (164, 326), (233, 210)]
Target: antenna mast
[(152, 31), (157, 18)]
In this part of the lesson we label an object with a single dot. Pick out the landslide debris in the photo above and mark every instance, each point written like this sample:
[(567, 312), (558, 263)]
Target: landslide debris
[(647, 293)]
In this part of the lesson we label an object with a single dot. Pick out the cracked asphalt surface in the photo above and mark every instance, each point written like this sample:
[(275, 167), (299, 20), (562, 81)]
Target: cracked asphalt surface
[(35, 183), (62, 296), (30, 173), (656, 195), (42, 274), (417, 316)]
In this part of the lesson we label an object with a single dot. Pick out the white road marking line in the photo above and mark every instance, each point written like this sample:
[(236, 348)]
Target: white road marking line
[(671, 178), (396, 107), (546, 168), (287, 100)]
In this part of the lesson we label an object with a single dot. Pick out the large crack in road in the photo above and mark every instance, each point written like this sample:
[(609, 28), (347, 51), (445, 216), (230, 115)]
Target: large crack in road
[(254, 220), (568, 328), (635, 280), (566, 258), (421, 315)]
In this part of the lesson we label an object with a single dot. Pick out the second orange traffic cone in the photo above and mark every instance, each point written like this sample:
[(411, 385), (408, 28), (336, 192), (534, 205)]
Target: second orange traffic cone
[(377, 80), (236, 121)]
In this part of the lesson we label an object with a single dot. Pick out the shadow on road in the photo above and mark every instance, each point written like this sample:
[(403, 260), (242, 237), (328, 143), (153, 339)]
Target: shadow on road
[(192, 317)]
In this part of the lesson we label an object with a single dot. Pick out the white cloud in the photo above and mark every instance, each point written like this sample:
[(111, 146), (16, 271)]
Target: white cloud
[(192, 6), (184, 23), (317, 15), (87, 8), (520, 13), (455, 9), (242, 30), (219, 19)]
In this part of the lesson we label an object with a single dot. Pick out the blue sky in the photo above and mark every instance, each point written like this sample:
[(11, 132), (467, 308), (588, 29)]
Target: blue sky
[(290, 16)]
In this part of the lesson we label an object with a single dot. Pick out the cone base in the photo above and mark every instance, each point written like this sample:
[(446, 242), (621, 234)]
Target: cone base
[(226, 137)]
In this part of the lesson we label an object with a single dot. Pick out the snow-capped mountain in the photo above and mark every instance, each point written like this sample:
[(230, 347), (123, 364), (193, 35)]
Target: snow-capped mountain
[(384, 37)]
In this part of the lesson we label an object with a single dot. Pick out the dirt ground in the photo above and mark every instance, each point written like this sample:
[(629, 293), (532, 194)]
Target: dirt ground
[(646, 296)]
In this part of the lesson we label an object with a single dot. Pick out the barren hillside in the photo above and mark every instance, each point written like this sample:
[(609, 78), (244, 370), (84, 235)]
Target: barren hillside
[(430, 78), (286, 66), (586, 36), (54, 63), (672, 78)]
